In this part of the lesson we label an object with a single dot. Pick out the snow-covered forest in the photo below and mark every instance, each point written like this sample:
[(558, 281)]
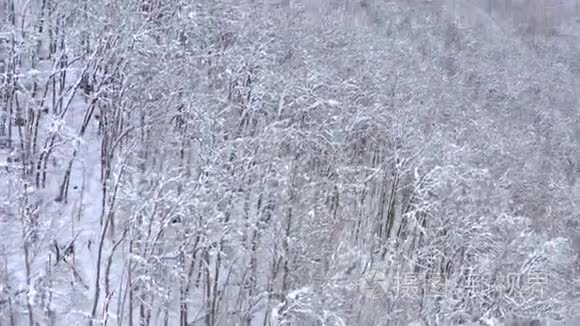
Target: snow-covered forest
[(289, 162)]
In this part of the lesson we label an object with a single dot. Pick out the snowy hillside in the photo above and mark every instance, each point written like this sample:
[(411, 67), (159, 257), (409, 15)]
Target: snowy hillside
[(248, 162)]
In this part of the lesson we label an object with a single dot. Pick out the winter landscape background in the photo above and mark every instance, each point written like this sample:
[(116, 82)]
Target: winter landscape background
[(289, 162)]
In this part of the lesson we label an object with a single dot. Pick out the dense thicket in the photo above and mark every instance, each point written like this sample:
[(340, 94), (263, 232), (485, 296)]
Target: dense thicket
[(239, 162)]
